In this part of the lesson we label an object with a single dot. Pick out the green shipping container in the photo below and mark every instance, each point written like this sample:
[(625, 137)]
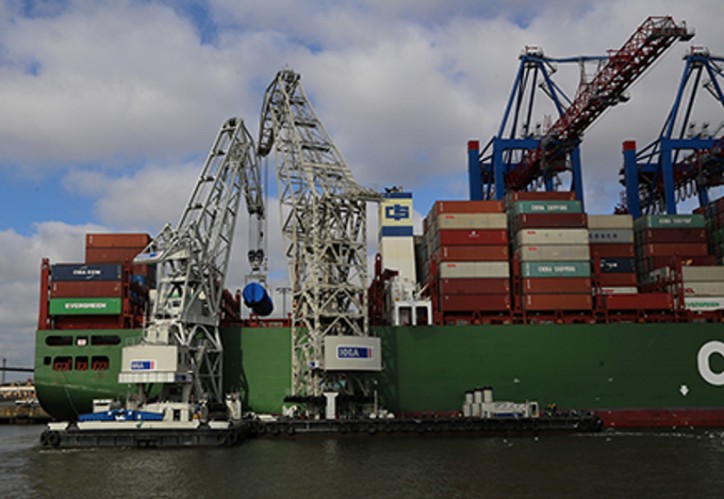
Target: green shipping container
[(556, 269), (85, 306), (521, 207), (670, 221)]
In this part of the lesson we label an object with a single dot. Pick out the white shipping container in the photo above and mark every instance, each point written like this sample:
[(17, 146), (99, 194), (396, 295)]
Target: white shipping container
[(703, 273), (694, 288), (471, 221), (618, 290), (704, 304), (610, 222), (554, 253), (456, 270), (599, 236), (551, 236)]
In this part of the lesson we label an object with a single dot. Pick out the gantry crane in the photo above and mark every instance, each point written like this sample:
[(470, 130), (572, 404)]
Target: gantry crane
[(324, 225), (181, 346), (686, 159), (522, 158)]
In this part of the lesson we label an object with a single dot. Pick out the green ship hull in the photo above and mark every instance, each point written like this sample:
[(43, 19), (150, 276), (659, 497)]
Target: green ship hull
[(632, 374)]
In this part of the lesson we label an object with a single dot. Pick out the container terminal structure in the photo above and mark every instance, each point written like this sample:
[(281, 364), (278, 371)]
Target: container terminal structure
[(522, 291)]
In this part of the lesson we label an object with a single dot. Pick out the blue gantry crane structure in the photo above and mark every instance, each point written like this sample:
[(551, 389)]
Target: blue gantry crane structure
[(687, 159), (526, 156)]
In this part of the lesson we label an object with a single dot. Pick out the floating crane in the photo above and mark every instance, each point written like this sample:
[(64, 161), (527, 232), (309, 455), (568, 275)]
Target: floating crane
[(324, 224), (181, 347), (686, 159), (523, 158)]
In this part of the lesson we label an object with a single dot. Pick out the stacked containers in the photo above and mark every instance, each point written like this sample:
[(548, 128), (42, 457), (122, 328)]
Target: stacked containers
[(612, 245), (662, 239), (550, 240), (467, 242), (82, 289), (714, 220)]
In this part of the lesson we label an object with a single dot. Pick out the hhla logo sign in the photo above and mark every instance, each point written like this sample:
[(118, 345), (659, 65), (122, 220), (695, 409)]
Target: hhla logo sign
[(704, 364)]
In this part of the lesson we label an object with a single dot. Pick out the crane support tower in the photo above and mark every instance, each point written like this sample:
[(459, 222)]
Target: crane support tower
[(181, 347), (686, 159), (521, 157), (324, 220)]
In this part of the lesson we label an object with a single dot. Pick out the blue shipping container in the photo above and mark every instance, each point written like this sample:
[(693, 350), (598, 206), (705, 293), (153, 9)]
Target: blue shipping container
[(86, 272), (614, 265)]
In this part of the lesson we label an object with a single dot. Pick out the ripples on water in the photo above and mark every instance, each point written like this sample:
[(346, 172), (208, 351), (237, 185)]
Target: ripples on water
[(622, 464)]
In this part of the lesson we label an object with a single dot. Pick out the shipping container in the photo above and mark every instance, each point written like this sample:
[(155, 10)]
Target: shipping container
[(473, 253), (549, 220), (549, 302), (608, 250), (117, 240), (672, 236), (610, 236), (553, 253), (704, 303), (520, 207), (555, 269), (85, 306), (470, 221), (618, 290), (674, 249), (610, 222), (469, 237), (86, 289), (702, 288), (640, 301), (711, 273), (656, 262), (452, 270), (621, 279), (669, 221), (612, 265), (475, 303), (512, 197), (467, 207), (554, 285), (86, 272), (111, 255), (552, 236), (468, 286)]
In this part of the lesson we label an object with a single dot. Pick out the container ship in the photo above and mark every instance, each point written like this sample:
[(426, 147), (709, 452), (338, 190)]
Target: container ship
[(528, 295)]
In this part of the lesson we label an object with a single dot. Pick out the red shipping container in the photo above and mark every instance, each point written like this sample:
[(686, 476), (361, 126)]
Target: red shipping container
[(110, 255), (549, 220), (616, 250), (674, 249), (472, 286), (640, 301), (117, 240), (472, 253), (475, 303), (471, 237), (557, 302), (555, 285), (512, 197), (86, 289), (618, 279), (672, 236), (468, 207)]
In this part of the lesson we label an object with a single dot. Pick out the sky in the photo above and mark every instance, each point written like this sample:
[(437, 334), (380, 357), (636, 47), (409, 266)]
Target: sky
[(109, 107)]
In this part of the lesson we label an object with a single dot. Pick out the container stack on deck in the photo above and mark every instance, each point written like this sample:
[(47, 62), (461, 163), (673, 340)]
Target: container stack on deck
[(105, 291), (551, 253), (543, 260), (467, 256)]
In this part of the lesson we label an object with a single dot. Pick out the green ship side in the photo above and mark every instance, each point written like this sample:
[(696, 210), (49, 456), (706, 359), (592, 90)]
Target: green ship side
[(639, 367)]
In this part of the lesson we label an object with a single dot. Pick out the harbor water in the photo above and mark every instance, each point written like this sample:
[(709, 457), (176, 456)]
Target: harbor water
[(669, 463)]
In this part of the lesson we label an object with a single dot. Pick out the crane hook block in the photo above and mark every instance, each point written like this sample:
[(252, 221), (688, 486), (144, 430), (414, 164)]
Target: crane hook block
[(256, 297)]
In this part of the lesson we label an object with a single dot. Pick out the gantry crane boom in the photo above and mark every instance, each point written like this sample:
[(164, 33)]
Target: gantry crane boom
[(324, 225), (556, 150), (181, 346)]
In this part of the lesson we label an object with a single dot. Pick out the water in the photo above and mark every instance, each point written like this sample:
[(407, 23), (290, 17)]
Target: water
[(635, 464)]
